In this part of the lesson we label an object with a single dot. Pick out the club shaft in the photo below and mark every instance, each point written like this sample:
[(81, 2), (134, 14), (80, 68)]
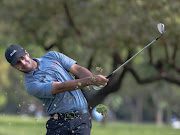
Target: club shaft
[(131, 58)]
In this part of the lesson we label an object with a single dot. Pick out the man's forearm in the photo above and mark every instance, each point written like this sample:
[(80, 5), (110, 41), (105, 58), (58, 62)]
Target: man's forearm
[(97, 80), (58, 87)]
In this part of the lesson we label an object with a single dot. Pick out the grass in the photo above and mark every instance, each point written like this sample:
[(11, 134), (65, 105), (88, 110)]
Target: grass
[(18, 125)]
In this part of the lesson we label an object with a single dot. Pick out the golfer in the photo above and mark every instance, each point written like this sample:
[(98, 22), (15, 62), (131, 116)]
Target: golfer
[(48, 78)]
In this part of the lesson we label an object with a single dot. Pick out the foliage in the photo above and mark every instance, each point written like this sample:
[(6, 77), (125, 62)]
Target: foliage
[(97, 33), (100, 108)]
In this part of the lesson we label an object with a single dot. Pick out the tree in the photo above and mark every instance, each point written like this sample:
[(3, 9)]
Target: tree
[(103, 33)]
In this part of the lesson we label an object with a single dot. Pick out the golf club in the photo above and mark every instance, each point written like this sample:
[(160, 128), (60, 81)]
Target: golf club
[(161, 28)]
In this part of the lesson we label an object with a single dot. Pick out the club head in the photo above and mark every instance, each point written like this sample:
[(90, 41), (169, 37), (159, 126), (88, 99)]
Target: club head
[(98, 87), (161, 27)]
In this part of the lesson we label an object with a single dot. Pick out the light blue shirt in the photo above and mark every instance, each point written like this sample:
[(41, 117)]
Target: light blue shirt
[(54, 67)]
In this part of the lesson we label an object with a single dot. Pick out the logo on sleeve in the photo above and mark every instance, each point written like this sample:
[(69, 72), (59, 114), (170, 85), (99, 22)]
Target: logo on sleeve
[(55, 64)]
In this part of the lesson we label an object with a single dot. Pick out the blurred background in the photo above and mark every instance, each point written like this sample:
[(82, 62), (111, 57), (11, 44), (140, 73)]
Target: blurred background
[(100, 35)]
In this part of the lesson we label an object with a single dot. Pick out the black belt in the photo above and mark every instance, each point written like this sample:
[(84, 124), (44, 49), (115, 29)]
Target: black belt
[(72, 115)]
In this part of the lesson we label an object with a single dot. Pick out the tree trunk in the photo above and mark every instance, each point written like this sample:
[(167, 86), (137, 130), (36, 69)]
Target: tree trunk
[(159, 109), (168, 117), (159, 115), (137, 110)]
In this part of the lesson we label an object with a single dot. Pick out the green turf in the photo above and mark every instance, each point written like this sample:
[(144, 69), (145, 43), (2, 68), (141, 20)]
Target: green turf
[(16, 125)]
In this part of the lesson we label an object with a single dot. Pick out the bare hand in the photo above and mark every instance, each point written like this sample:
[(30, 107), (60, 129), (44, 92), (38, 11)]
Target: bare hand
[(99, 80)]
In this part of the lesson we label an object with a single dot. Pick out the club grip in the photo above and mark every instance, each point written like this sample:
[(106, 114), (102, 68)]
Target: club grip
[(109, 76)]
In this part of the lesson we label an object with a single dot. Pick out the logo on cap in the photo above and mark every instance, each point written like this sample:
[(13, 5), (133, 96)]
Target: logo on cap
[(11, 54)]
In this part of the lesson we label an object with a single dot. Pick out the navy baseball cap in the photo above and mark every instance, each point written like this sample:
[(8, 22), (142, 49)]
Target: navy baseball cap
[(13, 53)]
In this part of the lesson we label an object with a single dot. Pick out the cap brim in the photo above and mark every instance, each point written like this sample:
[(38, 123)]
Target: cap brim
[(18, 55)]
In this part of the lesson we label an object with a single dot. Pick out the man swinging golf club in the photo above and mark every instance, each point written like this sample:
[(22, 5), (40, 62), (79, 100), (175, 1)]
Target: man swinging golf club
[(48, 78)]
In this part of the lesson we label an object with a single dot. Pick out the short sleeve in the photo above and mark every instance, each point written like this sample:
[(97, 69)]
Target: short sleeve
[(40, 90), (65, 61)]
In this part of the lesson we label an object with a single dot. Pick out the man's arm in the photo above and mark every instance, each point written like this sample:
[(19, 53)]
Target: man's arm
[(80, 71), (86, 78)]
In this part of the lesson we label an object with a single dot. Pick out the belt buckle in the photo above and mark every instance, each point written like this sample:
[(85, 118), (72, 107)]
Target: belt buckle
[(69, 115)]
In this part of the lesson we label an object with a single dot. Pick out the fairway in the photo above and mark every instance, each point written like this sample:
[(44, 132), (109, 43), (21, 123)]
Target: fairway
[(18, 125)]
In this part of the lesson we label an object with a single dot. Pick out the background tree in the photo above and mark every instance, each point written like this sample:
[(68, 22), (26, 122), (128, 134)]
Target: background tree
[(98, 33)]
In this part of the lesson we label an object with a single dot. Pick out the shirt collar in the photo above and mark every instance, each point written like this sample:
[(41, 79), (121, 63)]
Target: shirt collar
[(38, 60)]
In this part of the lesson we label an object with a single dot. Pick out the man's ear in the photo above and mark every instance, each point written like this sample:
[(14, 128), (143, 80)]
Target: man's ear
[(26, 53)]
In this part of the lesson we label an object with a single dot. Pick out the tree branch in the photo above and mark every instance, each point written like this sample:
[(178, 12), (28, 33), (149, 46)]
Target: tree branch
[(171, 78), (163, 76), (174, 53), (143, 81), (166, 50), (70, 20), (150, 55), (90, 62)]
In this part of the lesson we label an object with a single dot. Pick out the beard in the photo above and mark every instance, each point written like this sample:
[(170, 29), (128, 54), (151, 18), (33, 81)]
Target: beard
[(29, 67)]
